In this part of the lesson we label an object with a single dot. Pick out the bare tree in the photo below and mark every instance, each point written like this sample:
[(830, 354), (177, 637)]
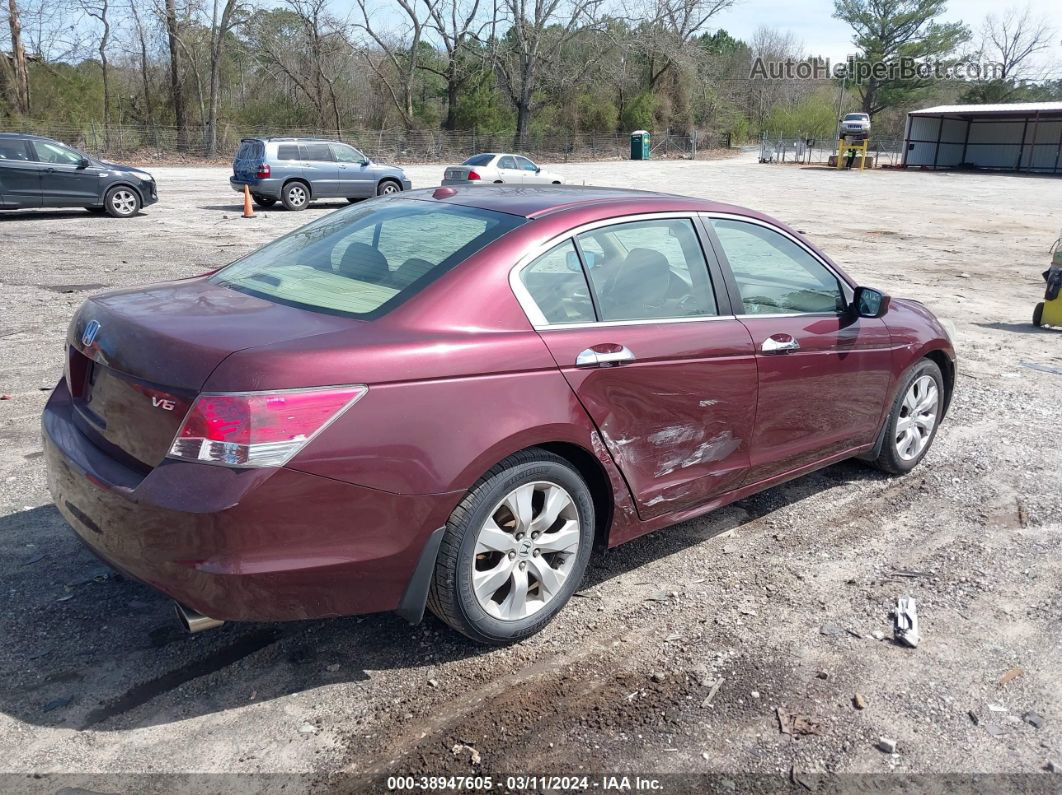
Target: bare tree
[(100, 11), (457, 23), (21, 92), (669, 29), (220, 25), (401, 52), (180, 109), (1012, 39), (539, 31), (141, 36)]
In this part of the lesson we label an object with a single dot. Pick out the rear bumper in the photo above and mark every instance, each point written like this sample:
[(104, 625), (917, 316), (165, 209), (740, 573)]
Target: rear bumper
[(239, 545), (260, 187)]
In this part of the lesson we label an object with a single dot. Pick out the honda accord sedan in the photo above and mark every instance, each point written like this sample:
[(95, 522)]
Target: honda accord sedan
[(449, 399)]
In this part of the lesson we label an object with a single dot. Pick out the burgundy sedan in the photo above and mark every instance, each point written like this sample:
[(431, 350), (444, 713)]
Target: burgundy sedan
[(448, 399)]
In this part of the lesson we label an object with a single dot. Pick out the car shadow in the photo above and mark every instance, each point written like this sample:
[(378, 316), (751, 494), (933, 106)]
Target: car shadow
[(73, 212), (1018, 328), (278, 207), (86, 647)]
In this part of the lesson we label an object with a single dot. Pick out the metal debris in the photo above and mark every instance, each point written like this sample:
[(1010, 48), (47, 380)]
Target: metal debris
[(905, 622), (473, 754), (718, 683)]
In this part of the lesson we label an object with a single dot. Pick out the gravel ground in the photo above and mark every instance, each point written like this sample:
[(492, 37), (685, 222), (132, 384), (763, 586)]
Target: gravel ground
[(687, 649)]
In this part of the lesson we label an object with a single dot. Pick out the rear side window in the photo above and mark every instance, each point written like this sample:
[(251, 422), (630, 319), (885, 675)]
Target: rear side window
[(363, 261), (556, 283), (288, 152), (649, 270), (478, 160), (11, 149), (507, 162), (319, 152)]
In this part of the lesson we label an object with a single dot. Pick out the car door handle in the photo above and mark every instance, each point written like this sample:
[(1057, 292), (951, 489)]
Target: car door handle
[(604, 355), (780, 343)]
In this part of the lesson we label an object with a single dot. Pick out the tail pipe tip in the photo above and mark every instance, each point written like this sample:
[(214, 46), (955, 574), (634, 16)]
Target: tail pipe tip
[(194, 621)]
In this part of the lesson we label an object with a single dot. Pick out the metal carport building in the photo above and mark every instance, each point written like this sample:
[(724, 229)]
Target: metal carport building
[(1025, 136)]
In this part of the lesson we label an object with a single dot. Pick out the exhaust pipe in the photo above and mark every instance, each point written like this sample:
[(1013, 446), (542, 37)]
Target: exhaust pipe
[(194, 621)]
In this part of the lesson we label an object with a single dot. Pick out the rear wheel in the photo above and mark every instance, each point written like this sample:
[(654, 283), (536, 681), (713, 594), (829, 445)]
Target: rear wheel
[(121, 202), (1038, 314), (263, 201), (514, 550), (388, 187), (295, 196), (912, 423)]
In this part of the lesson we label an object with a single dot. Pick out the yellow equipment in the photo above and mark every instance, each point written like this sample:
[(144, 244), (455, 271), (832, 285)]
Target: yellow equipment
[(854, 148), (1049, 311)]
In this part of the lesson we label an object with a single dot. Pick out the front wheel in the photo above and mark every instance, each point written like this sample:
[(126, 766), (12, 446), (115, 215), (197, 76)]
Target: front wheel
[(388, 188), (514, 550), (121, 202), (912, 422)]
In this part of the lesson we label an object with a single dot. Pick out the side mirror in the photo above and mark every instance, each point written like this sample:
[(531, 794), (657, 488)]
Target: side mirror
[(366, 162), (537, 169), (83, 163), (869, 302)]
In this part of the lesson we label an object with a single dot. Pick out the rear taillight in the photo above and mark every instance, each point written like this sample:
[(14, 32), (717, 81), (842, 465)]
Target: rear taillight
[(263, 171), (258, 429), (472, 176)]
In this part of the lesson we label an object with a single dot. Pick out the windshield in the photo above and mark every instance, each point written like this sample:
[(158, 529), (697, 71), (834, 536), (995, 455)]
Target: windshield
[(478, 160), (855, 117), (365, 260)]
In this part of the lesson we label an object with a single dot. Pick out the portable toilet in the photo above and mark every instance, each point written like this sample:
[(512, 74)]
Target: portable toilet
[(640, 145)]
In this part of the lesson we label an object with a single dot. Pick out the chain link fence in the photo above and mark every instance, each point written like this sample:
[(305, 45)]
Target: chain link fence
[(144, 142), (816, 150)]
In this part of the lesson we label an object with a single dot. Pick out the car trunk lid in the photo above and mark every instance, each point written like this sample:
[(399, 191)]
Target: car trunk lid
[(138, 358)]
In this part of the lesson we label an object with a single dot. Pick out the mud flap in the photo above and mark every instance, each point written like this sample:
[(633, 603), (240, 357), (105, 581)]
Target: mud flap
[(415, 598)]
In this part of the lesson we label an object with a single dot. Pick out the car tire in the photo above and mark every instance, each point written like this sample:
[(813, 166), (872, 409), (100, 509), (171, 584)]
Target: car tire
[(295, 195), (555, 182), (511, 555), (1038, 314), (913, 419), (388, 187), (121, 202), (265, 202)]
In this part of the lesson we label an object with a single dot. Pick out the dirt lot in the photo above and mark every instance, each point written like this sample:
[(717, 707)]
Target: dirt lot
[(776, 600)]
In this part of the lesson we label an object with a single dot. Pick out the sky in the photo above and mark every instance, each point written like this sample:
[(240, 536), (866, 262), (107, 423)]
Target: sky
[(812, 22)]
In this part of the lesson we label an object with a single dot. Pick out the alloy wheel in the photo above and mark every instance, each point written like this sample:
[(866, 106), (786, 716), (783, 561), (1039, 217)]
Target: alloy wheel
[(525, 550), (297, 195), (389, 188), (123, 202), (918, 417)]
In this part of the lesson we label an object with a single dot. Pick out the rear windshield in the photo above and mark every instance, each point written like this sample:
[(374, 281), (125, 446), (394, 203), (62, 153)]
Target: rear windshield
[(250, 150), (364, 260), (478, 160)]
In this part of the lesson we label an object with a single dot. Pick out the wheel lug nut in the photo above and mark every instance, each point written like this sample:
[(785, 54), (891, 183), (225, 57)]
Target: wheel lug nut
[(523, 565), (519, 536), (538, 552), (512, 555), (534, 535)]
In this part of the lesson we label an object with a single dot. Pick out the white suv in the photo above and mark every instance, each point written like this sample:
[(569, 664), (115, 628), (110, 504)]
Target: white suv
[(855, 125)]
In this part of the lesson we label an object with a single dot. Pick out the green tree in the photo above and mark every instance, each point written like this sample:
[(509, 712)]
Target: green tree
[(887, 31)]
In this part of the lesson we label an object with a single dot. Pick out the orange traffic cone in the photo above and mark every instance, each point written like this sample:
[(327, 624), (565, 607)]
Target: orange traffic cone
[(248, 211)]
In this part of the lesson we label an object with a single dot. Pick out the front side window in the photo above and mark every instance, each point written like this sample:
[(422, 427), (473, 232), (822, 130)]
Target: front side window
[(775, 275), (556, 283), (648, 270), (365, 260), (346, 154), (56, 153), (525, 165)]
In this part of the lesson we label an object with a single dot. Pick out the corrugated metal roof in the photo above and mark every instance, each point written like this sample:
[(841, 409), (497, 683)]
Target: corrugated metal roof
[(1014, 108)]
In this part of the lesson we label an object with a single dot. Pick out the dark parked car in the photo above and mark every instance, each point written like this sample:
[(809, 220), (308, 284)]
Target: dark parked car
[(450, 398), (40, 172), (296, 171)]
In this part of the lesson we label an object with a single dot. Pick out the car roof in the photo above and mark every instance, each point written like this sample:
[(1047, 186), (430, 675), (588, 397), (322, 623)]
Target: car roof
[(535, 201), (26, 135)]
